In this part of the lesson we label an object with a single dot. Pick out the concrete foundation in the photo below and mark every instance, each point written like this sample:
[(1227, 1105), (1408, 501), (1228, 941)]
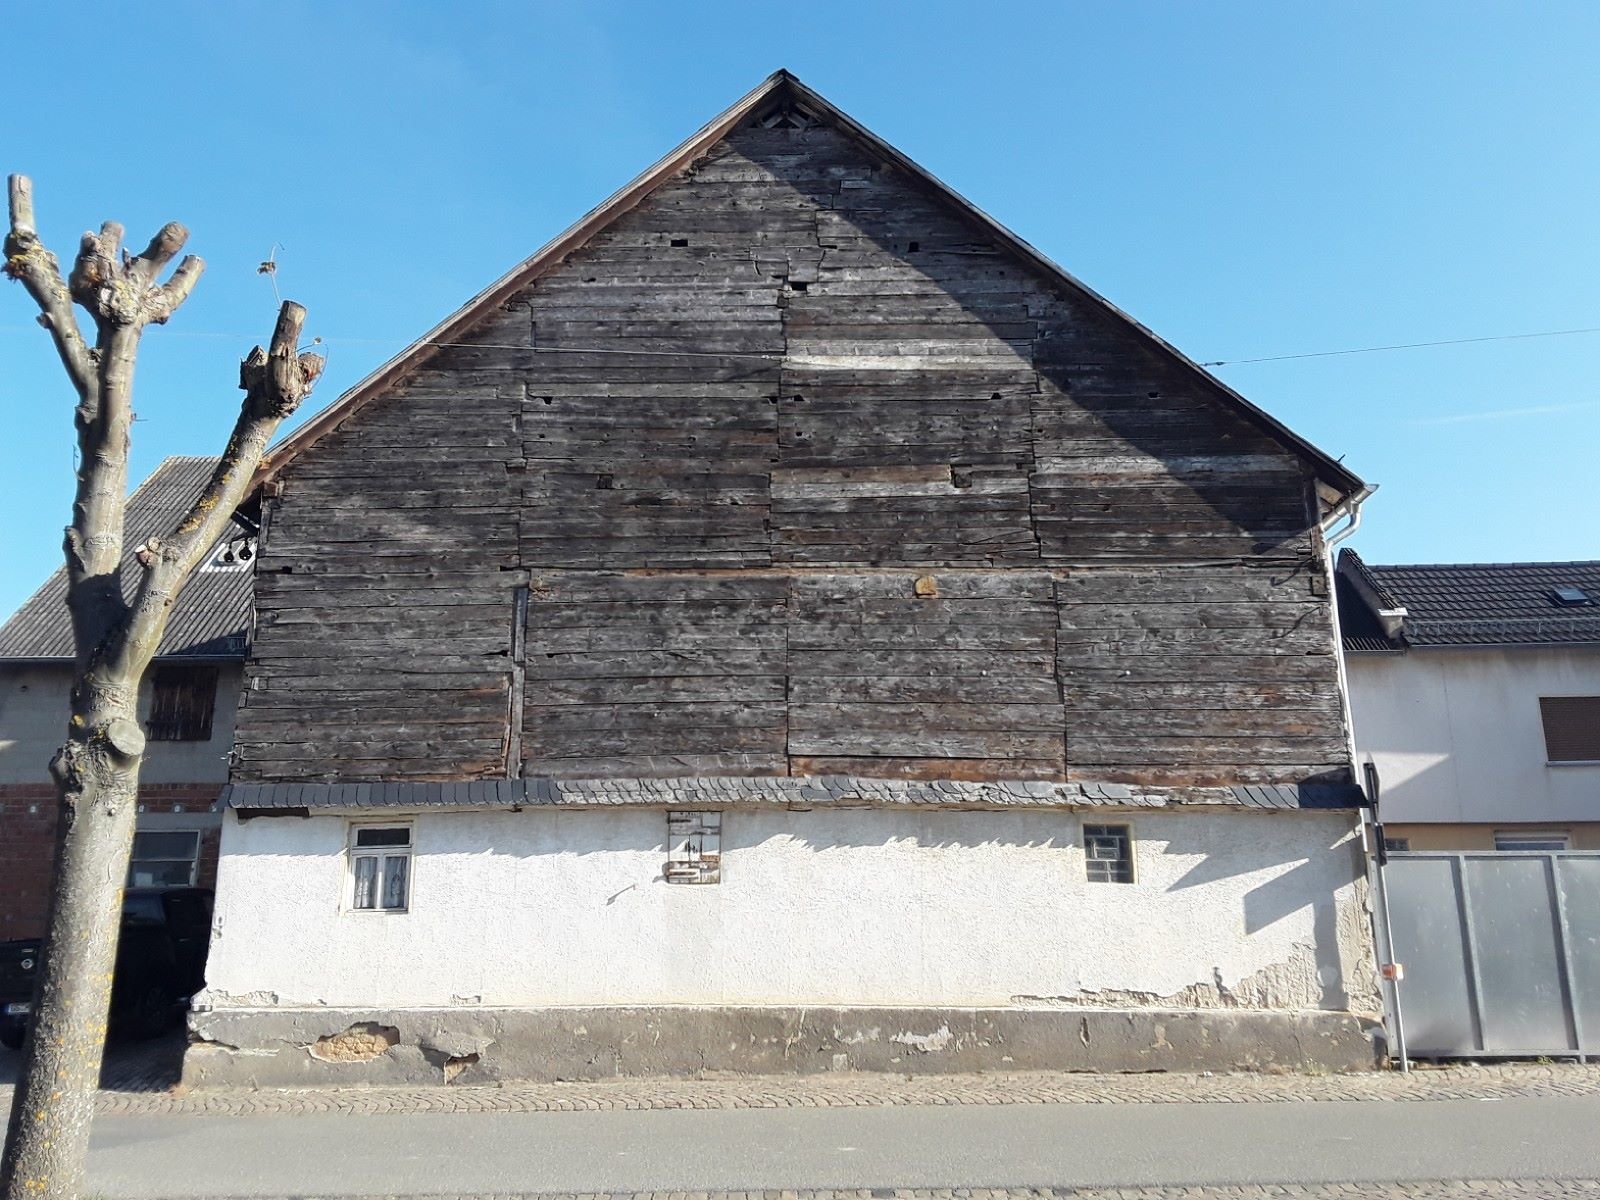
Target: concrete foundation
[(347, 1047)]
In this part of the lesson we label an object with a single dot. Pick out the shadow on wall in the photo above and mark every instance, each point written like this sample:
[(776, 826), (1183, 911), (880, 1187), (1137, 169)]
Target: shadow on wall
[(555, 832), (1306, 885), (1098, 383)]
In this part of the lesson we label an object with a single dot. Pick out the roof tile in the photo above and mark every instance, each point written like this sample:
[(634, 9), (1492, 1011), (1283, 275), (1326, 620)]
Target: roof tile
[(1470, 604), (212, 614)]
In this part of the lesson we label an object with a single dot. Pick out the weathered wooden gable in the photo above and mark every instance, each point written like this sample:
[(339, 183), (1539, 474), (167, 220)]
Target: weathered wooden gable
[(805, 471)]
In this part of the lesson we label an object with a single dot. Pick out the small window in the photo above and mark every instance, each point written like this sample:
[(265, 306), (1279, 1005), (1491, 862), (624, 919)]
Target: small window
[(1571, 728), (182, 699), (164, 859), (1526, 840), (1397, 845), (1108, 852), (380, 868), (694, 847)]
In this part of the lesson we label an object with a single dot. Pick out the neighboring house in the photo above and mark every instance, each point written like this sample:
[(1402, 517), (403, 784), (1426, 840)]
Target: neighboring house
[(1475, 690), (789, 624), (187, 705)]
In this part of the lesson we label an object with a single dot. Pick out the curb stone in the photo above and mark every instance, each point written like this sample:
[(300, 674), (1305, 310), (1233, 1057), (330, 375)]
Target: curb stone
[(1427, 1190), (1503, 1081)]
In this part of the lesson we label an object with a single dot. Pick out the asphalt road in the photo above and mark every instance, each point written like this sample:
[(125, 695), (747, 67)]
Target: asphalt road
[(924, 1147)]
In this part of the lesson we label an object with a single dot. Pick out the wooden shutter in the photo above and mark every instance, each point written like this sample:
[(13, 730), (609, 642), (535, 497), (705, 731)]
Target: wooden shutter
[(181, 703), (1571, 728)]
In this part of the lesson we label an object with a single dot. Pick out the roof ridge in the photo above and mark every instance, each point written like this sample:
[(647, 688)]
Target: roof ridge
[(780, 83)]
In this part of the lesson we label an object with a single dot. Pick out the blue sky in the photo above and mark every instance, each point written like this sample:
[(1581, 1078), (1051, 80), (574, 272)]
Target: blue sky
[(1247, 179)]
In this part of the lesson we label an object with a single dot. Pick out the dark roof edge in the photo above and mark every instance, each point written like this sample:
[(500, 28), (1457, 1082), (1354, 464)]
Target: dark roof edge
[(1328, 469), (1354, 568), (64, 660), (1387, 613), (617, 204), (1551, 564), (798, 792)]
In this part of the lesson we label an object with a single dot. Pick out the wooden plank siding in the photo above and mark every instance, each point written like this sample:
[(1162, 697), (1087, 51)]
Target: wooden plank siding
[(804, 474)]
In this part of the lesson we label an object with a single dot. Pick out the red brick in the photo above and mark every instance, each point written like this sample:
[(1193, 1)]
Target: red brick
[(27, 845)]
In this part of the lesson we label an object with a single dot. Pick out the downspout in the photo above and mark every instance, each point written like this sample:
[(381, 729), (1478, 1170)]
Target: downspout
[(1350, 509), (1383, 934)]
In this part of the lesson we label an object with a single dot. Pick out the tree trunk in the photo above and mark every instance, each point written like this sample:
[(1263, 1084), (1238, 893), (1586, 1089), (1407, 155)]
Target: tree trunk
[(97, 780), (97, 771)]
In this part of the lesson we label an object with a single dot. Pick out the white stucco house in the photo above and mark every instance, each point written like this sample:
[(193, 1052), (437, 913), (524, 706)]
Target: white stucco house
[(1475, 691)]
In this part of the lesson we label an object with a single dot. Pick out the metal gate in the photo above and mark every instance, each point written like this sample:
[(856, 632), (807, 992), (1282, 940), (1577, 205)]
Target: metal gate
[(1501, 953)]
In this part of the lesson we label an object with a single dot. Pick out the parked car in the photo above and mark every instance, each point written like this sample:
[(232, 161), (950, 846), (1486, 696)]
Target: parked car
[(161, 961)]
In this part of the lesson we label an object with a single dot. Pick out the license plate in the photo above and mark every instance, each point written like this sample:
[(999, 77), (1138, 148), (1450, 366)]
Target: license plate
[(18, 1010)]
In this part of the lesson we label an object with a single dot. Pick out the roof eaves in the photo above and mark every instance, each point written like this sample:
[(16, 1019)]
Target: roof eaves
[(1328, 469), (514, 280)]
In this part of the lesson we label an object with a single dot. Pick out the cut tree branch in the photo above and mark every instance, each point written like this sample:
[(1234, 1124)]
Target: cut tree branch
[(28, 262), (275, 382)]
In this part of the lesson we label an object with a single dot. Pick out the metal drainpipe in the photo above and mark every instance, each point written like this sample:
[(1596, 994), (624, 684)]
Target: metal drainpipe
[(1351, 511)]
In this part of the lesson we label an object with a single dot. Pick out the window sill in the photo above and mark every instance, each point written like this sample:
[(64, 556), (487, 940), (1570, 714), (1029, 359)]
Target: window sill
[(1574, 762)]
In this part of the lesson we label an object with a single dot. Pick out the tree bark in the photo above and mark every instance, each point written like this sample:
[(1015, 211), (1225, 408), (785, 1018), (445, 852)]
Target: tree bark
[(98, 780), (97, 770)]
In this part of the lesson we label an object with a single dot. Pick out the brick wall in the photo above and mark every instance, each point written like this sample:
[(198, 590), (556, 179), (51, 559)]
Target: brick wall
[(27, 843)]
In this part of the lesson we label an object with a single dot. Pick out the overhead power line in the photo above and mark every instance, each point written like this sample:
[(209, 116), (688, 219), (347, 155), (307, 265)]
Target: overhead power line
[(1498, 337)]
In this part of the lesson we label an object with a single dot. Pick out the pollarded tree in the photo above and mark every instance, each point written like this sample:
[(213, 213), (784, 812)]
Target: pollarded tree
[(117, 625)]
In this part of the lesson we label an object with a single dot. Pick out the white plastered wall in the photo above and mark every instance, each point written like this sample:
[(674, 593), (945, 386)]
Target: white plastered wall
[(1457, 736), (863, 907)]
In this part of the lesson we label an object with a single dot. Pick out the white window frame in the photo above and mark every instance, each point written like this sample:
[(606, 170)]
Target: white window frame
[(193, 857), (1558, 840), (356, 854)]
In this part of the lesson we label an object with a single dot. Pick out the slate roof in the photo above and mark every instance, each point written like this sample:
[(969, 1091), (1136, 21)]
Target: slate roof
[(1467, 604), (212, 614), (811, 791)]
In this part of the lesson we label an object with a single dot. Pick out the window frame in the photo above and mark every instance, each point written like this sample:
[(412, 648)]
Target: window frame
[(356, 853), (1397, 845), (694, 847), (193, 859), (1533, 835), (1122, 830)]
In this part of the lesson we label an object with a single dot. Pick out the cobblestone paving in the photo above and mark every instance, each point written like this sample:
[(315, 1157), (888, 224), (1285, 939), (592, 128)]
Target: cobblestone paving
[(142, 1078), (855, 1090), (1440, 1190)]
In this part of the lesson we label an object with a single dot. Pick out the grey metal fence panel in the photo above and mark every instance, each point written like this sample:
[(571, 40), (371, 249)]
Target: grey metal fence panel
[(1501, 952), (1518, 953), (1579, 880), (1430, 942)]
